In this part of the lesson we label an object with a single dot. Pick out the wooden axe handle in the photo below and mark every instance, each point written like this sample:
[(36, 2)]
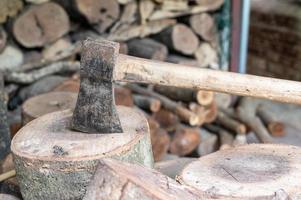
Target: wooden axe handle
[(132, 69)]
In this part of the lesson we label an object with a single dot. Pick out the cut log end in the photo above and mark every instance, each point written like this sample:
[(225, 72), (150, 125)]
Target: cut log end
[(276, 129), (204, 98)]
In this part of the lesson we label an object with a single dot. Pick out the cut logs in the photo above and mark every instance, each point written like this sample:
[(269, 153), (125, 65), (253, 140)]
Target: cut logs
[(47, 103), (166, 119), (206, 56), (180, 38), (9, 8), (147, 103), (62, 162), (41, 24), (147, 48), (261, 171), (230, 123), (123, 96), (116, 180), (203, 24)]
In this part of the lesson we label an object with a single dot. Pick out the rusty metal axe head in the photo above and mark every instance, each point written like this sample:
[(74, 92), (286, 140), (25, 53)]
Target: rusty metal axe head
[(95, 111)]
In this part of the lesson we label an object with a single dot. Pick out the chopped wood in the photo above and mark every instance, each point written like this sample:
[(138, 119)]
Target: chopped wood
[(174, 5), (179, 38), (101, 14), (202, 7), (128, 181), (275, 127), (134, 31), (184, 141), (240, 139), (211, 113), (36, 26), (166, 119), (3, 38), (200, 111), (10, 59), (36, 1), (208, 144), (123, 96), (204, 25), (206, 56), (160, 143), (222, 100), (177, 59), (147, 48), (124, 1), (183, 113), (9, 8), (230, 123), (56, 48), (30, 77), (204, 98), (69, 85), (147, 103), (226, 139), (146, 8)]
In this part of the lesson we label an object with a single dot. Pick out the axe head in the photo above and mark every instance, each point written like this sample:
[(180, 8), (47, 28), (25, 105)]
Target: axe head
[(95, 110)]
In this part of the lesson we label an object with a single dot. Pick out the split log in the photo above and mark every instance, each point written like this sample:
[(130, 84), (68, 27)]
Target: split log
[(40, 105), (134, 31), (222, 100), (203, 97), (4, 128), (72, 157), (3, 38), (183, 113), (184, 141), (147, 48), (206, 56), (9, 8), (68, 86), (117, 180), (172, 168), (203, 25), (147, 103), (166, 119), (123, 96), (230, 123), (258, 171), (36, 26), (30, 77), (226, 139), (10, 59), (53, 50), (101, 14), (179, 38), (204, 6), (208, 144), (8, 197), (146, 8), (182, 60), (275, 127)]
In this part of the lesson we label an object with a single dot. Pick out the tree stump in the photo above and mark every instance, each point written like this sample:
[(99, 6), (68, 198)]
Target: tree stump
[(61, 161), (40, 105), (258, 171)]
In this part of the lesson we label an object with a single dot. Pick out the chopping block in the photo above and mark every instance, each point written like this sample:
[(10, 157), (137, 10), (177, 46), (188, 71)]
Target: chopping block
[(56, 155)]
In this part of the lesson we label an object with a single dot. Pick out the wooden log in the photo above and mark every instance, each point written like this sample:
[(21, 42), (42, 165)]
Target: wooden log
[(15, 121), (200, 111), (71, 158), (179, 38), (147, 48), (222, 100), (172, 168), (230, 123), (11, 58), (101, 14), (69, 85), (3, 38), (40, 105), (4, 128), (211, 113), (177, 59), (184, 141), (208, 144), (9, 8), (123, 96), (146, 8), (230, 174), (56, 48), (226, 139), (275, 127), (36, 1), (8, 197), (36, 26), (183, 113), (166, 119), (205, 98), (206, 56), (160, 143), (147, 103), (203, 25), (174, 5), (117, 180)]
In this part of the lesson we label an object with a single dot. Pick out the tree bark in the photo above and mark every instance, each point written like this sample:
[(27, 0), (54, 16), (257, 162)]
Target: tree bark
[(147, 103)]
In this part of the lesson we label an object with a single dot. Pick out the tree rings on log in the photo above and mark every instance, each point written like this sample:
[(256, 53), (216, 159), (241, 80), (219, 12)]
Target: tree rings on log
[(258, 171), (47, 103), (123, 181), (62, 162), (41, 24)]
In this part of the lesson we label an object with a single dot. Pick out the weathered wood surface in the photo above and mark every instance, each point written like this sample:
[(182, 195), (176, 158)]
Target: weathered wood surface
[(62, 161), (8, 197), (255, 171)]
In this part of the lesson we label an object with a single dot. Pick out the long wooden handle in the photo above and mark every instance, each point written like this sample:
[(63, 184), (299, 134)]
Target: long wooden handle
[(132, 69)]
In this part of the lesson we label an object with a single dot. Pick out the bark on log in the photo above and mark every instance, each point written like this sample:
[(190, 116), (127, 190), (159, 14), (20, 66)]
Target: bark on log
[(62, 163), (203, 25), (40, 105), (147, 48), (230, 174), (56, 48), (115, 180), (184, 114), (230, 123), (222, 100), (9, 8), (37, 25), (182, 60), (166, 119), (184, 141), (180, 38), (101, 14), (147, 103), (177, 94), (123, 96), (69, 85), (208, 144), (275, 127), (226, 139)]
